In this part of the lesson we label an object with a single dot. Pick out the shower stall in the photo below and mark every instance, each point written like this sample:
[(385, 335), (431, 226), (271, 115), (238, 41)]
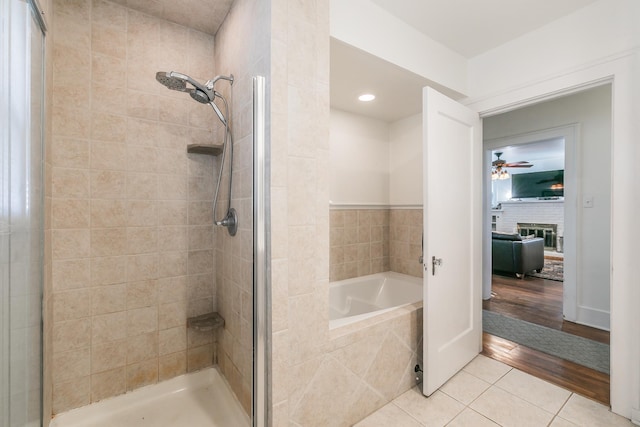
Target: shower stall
[(143, 232), (21, 212)]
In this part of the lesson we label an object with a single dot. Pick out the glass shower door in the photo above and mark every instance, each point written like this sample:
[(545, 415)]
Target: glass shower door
[(21, 213)]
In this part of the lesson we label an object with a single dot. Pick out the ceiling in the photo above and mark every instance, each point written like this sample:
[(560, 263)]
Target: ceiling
[(355, 72), (539, 150), (469, 27), (201, 15)]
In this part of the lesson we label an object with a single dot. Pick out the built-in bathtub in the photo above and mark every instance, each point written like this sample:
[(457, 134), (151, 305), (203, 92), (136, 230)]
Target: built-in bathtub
[(360, 298), (375, 340)]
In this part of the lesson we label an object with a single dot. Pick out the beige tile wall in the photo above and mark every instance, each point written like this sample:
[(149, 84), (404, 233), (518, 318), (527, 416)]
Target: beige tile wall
[(359, 240), (299, 119), (131, 230), (405, 235), (368, 241), (244, 54), (365, 367), (312, 373)]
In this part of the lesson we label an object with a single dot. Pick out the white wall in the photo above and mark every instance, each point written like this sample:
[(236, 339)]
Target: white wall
[(368, 27), (405, 159), (358, 160), (589, 35), (592, 111), (373, 162)]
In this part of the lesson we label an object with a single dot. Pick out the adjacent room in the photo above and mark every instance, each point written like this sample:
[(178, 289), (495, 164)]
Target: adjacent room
[(542, 158)]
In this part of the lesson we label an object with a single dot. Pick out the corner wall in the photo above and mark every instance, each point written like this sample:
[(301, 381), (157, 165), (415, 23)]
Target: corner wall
[(376, 195), (359, 240), (299, 185), (243, 54), (405, 162), (359, 160)]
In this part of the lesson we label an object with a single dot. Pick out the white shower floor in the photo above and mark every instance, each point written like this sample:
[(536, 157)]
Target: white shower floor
[(200, 399)]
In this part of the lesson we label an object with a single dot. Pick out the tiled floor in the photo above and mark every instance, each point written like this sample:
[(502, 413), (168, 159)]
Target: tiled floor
[(489, 393)]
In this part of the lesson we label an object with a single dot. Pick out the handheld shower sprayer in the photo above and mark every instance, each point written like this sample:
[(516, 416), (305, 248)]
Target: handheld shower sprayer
[(205, 94)]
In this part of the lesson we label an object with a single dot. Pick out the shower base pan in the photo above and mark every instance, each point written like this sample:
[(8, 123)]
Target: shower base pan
[(199, 399)]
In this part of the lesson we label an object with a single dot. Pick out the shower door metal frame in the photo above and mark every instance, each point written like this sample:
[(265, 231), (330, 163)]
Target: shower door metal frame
[(261, 257)]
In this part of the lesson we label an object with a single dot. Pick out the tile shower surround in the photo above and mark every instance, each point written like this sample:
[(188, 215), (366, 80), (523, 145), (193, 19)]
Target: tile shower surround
[(131, 231), (368, 241), (243, 57)]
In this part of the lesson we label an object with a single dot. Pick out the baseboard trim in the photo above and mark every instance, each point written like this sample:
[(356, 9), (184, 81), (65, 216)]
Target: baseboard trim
[(593, 317)]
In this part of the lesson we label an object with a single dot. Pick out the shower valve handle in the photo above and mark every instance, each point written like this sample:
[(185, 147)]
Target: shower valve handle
[(230, 221)]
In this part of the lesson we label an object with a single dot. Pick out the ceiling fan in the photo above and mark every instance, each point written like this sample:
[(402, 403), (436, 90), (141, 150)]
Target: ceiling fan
[(498, 170)]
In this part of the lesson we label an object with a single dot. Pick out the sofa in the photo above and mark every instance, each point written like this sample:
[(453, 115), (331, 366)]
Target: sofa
[(513, 253)]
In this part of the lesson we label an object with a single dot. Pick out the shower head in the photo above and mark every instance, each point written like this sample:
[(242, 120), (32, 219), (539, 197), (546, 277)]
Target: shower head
[(202, 93), (201, 96), (171, 82), (178, 81)]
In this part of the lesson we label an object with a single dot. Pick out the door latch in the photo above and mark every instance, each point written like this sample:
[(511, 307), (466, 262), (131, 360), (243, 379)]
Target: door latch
[(435, 261)]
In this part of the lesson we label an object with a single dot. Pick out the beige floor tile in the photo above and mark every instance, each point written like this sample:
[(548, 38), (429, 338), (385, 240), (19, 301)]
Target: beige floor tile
[(586, 413), (561, 422), (435, 410), (542, 394), (465, 387), (487, 369), (389, 415), (509, 410), (470, 418)]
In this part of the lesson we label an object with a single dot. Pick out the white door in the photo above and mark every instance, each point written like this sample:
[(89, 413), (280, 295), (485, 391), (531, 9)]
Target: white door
[(452, 321)]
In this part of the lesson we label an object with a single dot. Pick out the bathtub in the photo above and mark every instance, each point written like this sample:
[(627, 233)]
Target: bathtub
[(360, 298)]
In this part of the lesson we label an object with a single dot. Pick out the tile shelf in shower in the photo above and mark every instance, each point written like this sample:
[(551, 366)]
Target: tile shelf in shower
[(212, 150), (206, 322)]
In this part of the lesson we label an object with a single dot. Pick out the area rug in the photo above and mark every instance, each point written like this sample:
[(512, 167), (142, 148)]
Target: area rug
[(583, 351), (553, 270)]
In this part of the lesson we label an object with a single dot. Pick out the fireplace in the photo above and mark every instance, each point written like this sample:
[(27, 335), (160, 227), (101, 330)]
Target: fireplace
[(549, 232)]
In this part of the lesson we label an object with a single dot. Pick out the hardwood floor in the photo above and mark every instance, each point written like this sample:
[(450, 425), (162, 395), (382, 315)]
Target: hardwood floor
[(571, 376), (539, 301)]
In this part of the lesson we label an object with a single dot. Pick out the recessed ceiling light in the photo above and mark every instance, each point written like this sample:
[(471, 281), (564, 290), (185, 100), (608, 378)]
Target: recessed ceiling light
[(367, 97)]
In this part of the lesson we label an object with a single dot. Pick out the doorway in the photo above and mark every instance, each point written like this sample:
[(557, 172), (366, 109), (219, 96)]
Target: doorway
[(585, 117)]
